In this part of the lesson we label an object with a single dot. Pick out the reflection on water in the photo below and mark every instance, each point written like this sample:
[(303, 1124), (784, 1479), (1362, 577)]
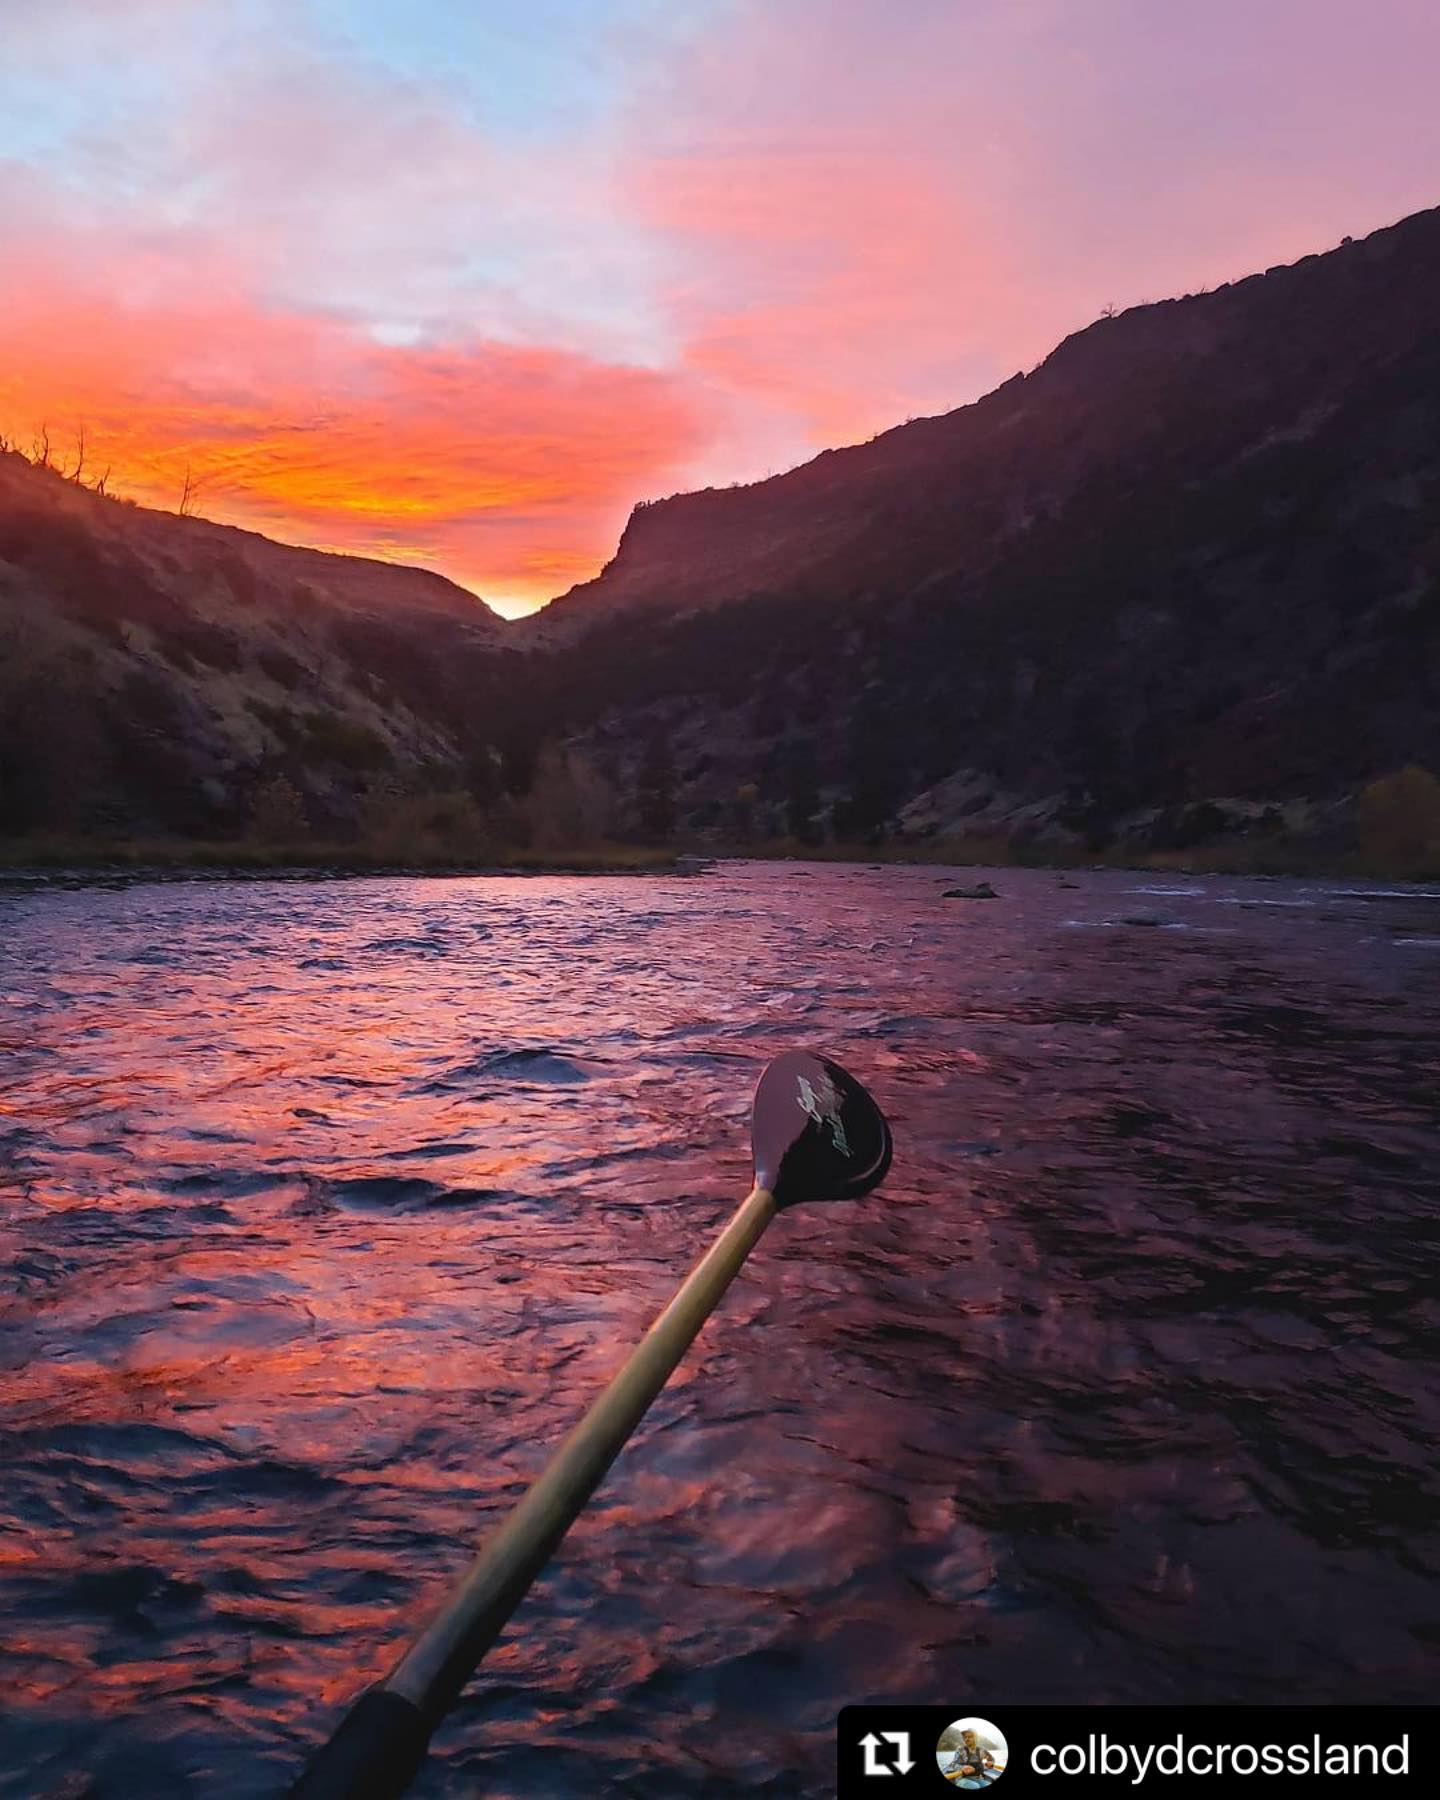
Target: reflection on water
[(326, 1208)]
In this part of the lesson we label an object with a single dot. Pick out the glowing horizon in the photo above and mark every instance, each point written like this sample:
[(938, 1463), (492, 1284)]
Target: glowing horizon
[(457, 286)]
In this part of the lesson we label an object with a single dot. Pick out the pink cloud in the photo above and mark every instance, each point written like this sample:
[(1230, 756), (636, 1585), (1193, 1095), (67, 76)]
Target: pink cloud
[(879, 211)]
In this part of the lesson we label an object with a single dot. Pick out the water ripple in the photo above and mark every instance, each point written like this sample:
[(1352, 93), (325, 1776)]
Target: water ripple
[(326, 1208)]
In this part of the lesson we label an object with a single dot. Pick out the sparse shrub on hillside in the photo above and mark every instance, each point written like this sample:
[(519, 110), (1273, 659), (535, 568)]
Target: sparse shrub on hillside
[(399, 825), (455, 823), (232, 568), (655, 786), (743, 812), (570, 803), (329, 737), (875, 773), (190, 493), (483, 771), (197, 641), (324, 738), (283, 669), (518, 746), (1398, 822), (279, 719), (150, 722), (278, 814), (52, 755), (1183, 827), (382, 798), (802, 796)]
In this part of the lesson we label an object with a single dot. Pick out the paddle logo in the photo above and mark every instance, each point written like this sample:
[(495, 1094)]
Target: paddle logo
[(822, 1103)]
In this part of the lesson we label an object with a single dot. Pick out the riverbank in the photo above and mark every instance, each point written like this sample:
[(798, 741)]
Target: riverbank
[(49, 859), (1241, 857), (56, 861)]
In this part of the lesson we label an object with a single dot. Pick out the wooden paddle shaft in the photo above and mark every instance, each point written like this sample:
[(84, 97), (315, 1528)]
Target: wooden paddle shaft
[(382, 1741)]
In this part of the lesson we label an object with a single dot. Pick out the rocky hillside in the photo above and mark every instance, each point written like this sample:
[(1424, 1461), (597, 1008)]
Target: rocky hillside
[(1180, 581), (157, 672), (1182, 578)]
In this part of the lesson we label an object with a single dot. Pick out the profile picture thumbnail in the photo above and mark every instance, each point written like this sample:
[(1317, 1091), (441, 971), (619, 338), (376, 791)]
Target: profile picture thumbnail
[(972, 1753)]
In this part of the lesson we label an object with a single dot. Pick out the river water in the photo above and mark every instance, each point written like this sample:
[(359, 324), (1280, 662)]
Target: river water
[(326, 1207)]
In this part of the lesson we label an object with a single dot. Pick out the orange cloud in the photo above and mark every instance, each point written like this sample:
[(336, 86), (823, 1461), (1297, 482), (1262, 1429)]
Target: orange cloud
[(510, 467)]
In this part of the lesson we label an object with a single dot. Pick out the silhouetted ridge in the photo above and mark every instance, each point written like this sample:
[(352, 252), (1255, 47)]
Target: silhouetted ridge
[(1178, 580), (1244, 355)]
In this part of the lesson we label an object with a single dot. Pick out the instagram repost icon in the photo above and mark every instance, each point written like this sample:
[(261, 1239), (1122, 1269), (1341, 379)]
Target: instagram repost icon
[(972, 1753)]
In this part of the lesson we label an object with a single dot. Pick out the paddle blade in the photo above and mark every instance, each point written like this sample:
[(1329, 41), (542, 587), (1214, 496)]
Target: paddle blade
[(817, 1134)]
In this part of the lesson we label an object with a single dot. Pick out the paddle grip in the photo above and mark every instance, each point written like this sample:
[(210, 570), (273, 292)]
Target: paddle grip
[(374, 1755)]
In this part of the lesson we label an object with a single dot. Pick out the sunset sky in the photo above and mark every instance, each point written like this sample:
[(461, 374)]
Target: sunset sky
[(458, 281)]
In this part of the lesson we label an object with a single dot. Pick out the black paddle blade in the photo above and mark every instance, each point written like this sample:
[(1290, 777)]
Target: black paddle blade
[(817, 1134)]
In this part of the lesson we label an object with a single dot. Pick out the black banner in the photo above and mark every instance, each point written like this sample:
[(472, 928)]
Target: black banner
[(972, 1748)]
